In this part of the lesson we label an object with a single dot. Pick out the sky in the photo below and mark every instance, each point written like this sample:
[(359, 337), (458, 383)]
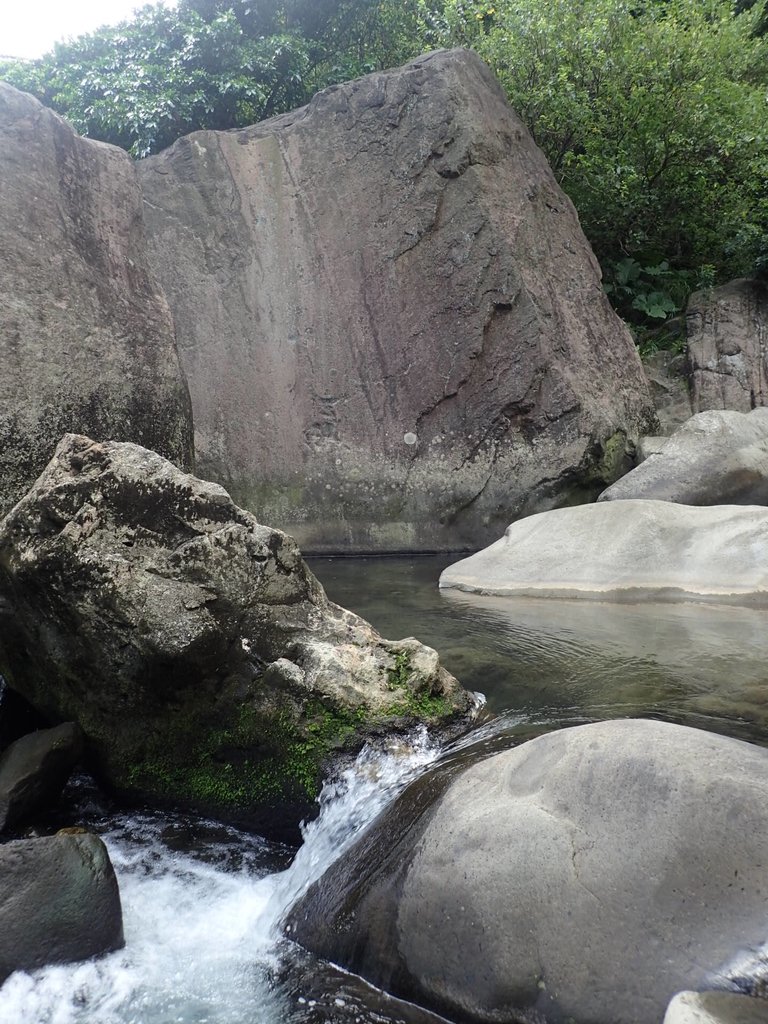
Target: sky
[(29, 28)]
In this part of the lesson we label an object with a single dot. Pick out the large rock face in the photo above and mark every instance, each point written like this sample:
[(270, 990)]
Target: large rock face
[(194, 647), (86, 336), (58, 902), (392, 325), (719, 457), (626, 550), (589, 874), (727, 346)]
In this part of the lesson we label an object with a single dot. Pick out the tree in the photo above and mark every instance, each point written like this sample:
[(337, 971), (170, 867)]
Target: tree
[(653, 116)]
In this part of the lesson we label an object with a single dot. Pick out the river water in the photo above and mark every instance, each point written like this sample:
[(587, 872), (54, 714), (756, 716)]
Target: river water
[(203, 903)]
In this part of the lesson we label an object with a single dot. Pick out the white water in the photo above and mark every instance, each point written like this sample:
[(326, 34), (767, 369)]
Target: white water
[(202, 928)]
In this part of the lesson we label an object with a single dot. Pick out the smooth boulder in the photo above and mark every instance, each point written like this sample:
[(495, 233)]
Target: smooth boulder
[(716, 1008), (716, 458), (193, 646), (726, 329), (627, 550), (59, 902), (34, 771), (588, 874), (393, 327), (87, 341)]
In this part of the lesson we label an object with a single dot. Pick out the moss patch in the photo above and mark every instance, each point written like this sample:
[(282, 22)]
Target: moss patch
[(267, 756), (410, 701)]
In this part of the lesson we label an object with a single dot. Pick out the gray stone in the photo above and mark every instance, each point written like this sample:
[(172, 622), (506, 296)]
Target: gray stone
[(590, 873), (668, 380), (649, 445), (716, 1008), (34, 770), (86, 337), (727, 346), (392, 325), (59, 902), (716, 458), (627, 550), (198, 653)]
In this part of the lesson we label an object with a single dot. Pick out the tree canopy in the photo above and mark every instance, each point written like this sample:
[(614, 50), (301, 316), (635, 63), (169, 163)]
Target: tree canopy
[(652, 113)]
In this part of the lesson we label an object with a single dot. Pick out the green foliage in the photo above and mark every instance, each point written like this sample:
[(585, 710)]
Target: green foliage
[(212, 64), (412, 701), (654, 118), (652, 113)]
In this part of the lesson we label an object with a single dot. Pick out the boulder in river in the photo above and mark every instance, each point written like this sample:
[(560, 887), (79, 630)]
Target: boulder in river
[(35, 769), (719, 457), (393, 327), (589, 874), (627, 550), (87, 342), (59, 902), (193, 646), (716, 1008)]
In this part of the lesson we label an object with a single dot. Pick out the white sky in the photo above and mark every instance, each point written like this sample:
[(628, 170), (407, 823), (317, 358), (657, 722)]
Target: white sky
[(29, 28)]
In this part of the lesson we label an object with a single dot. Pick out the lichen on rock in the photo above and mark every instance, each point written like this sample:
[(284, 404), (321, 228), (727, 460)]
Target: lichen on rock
[(193, 645)]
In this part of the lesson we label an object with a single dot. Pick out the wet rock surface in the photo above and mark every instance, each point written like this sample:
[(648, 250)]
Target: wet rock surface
[(193, 646), (590, 874), (34, 771), (393, 328), (58, 902)]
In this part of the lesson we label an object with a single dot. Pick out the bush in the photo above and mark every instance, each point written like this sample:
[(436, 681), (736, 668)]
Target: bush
[(653, 116)]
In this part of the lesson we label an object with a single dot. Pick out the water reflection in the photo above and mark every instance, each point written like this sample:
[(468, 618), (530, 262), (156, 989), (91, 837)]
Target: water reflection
[(701, 665)]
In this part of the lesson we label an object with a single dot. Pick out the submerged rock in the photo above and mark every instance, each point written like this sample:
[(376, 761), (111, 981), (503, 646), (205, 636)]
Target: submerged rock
[(59, 902), (35, 769), (393, 328), (87, 341), (726, 346), (589, 874), (627, 550), (200, 656), (715, 458)]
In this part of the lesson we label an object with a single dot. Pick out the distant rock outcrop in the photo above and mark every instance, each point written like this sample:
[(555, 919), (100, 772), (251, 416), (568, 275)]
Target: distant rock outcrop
[(728, 346), (392, 325), (86, 336), (199, 655)]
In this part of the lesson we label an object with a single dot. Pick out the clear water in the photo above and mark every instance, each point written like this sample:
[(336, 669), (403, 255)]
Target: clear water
[(203, 903)]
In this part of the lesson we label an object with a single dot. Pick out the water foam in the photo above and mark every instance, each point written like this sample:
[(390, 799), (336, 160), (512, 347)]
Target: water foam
[(203, 933)]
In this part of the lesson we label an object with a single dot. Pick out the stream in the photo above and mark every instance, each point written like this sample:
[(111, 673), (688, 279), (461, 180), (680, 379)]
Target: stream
[(203, 902)]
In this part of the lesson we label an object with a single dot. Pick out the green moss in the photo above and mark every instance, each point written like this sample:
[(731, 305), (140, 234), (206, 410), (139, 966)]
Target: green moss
[(266, 756), (416, 703)]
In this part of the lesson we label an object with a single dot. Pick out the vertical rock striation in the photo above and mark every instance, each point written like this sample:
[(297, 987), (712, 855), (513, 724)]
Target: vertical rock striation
[(392, 325), (86, 336)]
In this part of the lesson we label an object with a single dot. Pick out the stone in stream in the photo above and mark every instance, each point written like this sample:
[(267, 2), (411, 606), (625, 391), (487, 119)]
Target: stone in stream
[(716, 1008), (34, 771), (588, 874), (393, 328), (86, 337), (627, 550), (718, 457), (193, 646), (727, 329), (59, 902)]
